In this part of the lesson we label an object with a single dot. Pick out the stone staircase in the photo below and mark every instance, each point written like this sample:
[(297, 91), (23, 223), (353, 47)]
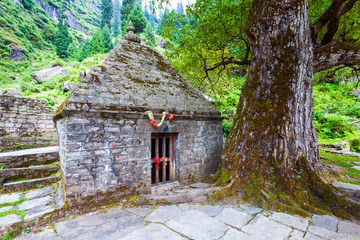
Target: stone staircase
[(28, 169)]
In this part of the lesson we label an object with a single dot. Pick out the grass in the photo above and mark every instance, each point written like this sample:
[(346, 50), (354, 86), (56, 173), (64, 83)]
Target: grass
[(347, 173), (21, 213)]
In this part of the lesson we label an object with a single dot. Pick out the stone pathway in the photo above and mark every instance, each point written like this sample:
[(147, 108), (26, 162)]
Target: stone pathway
[(196, 221), (28, 205)]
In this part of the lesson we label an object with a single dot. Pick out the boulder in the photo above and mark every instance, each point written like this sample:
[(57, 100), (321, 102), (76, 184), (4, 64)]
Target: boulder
[(12, 92), (56, 64), (16, 54), (162, 43), (17, 2), (68, 86), (45, 74), (356, 92)]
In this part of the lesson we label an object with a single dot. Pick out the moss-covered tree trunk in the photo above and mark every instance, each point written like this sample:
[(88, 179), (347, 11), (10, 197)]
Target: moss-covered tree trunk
[(272, 151)]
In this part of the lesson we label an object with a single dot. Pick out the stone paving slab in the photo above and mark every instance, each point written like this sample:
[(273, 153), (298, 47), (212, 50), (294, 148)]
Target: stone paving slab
[(9, 219), (291, 221), (34, 203), (296, 235), (234, 218), (153, 231), (113, 229), (349, 228), (84, 223), (234, 234), (46, 234), (264, 228), (37, 193), (142, 212), (210, 210), (7, 198), (7, 208), (197, 225), (30, 151), (163, 214), (322, 232), (325, 221)]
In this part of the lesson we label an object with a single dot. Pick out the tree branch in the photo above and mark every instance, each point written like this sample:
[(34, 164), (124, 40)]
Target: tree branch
[(333, 24), (336, 53), (331, 17)]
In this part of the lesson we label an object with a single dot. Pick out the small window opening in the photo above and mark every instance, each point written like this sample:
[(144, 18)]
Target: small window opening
[(163, 158)]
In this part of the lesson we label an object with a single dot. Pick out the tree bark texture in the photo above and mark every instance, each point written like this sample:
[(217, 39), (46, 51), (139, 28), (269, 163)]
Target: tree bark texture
[(273, 129)]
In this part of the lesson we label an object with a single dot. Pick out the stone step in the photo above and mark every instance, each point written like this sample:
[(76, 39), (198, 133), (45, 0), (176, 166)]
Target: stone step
[(29, 157), (30, 184), (7, 175), (352, 189)]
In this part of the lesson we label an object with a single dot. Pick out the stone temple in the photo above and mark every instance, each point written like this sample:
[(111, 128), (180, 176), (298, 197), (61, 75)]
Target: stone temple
[(110, 146)]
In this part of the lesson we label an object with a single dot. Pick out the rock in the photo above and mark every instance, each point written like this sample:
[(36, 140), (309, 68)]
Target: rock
[(197, 225), (351, 189), (345, 153), (56, 64), (263, 228), (10, 76), (68, 86), (356, 92), (12, 92), (162, 43), (338, 146), (325, 221), (296, 235), (161, 188), (238, 71), (45, 74), (16, 54), (17, 2), (356, 167)]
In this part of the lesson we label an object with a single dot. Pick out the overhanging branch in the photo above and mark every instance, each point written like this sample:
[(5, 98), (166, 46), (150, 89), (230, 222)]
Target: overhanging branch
[(336, 53)]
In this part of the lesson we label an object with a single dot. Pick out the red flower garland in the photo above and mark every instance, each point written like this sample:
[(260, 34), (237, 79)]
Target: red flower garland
[(157, 161), (171, 116)]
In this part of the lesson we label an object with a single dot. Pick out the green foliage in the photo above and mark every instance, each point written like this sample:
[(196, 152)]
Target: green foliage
[(106, 13), (28, 4), (226, 127), (137, 17), (96, 43), (127, 6), (331, 126), (355, 144), (116, 23), (106, 39), (62, 38), (163, 21), (150, 35)]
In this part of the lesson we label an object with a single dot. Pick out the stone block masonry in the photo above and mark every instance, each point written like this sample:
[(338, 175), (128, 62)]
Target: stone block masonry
[(99, 153), (25, 123)]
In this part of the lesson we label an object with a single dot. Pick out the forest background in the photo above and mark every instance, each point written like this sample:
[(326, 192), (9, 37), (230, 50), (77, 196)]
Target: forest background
[(205, 41)]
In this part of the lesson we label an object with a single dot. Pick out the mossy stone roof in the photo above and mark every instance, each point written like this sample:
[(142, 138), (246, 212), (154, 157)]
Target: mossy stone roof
[(135, 77)]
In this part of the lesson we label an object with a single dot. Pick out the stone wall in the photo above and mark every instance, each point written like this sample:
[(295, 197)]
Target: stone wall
[(100, 152), (25, 123)]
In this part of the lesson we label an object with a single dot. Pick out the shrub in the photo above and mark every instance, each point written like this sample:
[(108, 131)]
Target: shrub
[(355, 144), (226, 127), (331, 126)]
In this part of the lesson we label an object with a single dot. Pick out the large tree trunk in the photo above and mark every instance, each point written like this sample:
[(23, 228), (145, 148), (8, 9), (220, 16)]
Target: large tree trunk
[(272, 150)]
